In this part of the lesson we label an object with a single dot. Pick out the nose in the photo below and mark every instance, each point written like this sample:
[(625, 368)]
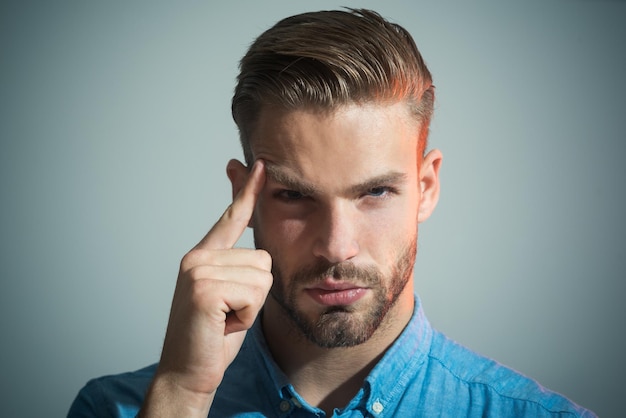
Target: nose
[(336, 234)]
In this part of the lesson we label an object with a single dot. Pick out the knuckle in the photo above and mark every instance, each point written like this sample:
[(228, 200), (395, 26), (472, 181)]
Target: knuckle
[(200, 291), (190, 259), (265, 259), (256, 295), (201, 272), (197, 257), (267, 279)]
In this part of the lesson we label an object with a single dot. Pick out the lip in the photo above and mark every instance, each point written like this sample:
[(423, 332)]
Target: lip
[(336, 293)]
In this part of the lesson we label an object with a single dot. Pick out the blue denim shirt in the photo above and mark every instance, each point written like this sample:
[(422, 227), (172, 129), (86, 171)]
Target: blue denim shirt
[(423, 374)]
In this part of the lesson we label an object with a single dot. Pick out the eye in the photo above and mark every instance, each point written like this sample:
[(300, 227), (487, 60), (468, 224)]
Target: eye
[(288, 195), (379, 191)]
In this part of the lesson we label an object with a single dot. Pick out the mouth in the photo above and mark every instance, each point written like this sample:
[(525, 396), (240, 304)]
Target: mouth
[(331, 293)]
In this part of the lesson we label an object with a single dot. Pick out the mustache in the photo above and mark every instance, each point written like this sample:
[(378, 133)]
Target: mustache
[(319, 271)]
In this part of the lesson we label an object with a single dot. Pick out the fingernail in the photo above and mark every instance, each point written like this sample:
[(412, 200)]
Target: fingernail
[(257, 164)]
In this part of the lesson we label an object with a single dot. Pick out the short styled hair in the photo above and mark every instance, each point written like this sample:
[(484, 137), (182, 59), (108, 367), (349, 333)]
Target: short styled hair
[(326, 59)]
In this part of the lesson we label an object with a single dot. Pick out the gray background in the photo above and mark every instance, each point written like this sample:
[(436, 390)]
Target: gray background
[(115, 131)]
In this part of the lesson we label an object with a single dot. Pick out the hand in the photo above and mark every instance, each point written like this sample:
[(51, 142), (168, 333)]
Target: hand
[(219, 293)]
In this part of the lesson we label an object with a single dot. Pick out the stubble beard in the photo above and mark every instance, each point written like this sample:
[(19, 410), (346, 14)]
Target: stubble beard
[(343, 326)]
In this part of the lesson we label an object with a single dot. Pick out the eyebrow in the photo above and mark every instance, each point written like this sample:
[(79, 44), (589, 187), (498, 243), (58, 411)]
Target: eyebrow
[(288, 180), (278, 175), (391, 178)]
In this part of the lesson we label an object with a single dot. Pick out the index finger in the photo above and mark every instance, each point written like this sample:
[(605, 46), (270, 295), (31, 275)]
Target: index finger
[(230, 226)]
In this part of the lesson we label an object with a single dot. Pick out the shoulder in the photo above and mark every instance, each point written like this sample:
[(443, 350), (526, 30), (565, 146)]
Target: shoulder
[(119, 395), (494, 386)]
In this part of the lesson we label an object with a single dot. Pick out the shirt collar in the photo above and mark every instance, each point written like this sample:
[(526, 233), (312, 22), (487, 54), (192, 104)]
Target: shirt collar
[(387, 381), (284, 397)]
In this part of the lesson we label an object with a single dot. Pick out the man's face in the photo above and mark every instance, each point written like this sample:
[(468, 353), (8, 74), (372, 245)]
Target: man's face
[(339, 215)]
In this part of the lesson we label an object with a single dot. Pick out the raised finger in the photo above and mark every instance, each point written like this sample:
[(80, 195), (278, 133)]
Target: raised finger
[(230, 226)]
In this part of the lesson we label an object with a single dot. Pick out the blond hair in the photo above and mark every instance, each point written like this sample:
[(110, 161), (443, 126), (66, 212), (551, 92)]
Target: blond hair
[(328, 59)]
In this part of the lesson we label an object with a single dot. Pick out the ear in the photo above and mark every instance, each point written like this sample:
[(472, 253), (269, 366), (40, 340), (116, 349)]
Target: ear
[(237, 174), (429, 184)]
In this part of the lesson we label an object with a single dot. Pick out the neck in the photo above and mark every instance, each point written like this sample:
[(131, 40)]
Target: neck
[(330, 377)]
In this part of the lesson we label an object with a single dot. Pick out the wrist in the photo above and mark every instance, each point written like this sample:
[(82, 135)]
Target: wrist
[(167, 398)]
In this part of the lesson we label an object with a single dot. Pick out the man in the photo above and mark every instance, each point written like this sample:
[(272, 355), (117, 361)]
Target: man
[(333, 110)]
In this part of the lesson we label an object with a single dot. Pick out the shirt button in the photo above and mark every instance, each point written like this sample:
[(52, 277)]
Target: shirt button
[(284, 406), (377, 407)]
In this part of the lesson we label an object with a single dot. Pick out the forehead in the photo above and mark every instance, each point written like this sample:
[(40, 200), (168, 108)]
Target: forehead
[(351, 142)]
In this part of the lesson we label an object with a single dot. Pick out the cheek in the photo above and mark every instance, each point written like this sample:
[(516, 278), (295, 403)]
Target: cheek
[(277, 228), (285, 240), (384, 232), (291, 233)]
